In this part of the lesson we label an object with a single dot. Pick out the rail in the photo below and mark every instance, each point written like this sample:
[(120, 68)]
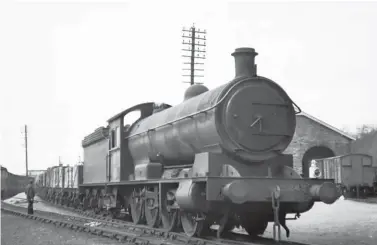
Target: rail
[(133, 234)]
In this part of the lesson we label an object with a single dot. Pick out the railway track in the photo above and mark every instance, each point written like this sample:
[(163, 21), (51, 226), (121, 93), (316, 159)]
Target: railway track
[(89, 225), (129, 233)]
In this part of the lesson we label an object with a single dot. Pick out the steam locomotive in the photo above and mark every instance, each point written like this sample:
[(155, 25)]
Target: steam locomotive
[(215, 158)]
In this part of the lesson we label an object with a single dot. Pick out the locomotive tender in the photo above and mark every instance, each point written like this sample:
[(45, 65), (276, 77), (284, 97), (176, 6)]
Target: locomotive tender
[(215, 158)]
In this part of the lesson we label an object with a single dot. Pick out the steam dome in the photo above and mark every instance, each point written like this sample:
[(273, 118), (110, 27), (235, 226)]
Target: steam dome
[(194, 90)]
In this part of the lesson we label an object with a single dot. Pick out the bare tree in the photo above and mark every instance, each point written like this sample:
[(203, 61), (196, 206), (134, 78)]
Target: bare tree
[(364, 130), (361, 131)]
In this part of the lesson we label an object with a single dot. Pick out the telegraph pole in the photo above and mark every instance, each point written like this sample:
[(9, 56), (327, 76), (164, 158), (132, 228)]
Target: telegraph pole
[(195, 49), (26, 156)]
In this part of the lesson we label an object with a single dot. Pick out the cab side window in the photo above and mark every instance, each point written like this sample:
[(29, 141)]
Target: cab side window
[(129, 119), (115, 137)]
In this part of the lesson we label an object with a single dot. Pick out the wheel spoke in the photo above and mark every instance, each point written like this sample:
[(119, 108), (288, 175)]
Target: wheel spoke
[(169, 215), (151, 207), (137, 205), (192, 226)]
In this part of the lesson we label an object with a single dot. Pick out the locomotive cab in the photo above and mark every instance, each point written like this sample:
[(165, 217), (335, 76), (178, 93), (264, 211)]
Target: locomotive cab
[(119, 166)]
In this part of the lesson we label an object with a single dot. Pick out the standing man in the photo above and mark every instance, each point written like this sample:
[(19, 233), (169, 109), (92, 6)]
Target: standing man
[(30, 193)]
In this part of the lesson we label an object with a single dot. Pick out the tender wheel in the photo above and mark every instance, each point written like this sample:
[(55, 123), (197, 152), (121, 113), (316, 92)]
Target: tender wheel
[(364, 192), (100, 204), (76, 202), (137, 206), (169, 215), (86, 200), (128, 216), (347, 193), (193, 224), (115, 213), (93, 203), (151, 208), (254, 227), (85, 203), (61, 200)]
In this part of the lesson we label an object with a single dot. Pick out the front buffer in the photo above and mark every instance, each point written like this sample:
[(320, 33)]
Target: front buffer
[(251, 202)]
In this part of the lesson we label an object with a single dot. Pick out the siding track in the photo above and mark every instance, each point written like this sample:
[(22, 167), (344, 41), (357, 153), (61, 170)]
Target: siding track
[(129, 233)]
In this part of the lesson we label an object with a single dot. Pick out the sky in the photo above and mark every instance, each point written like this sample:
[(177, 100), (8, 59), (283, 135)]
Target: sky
[(68, 66)]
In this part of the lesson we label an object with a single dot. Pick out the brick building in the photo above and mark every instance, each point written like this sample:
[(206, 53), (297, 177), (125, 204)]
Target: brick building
[(316, 139)]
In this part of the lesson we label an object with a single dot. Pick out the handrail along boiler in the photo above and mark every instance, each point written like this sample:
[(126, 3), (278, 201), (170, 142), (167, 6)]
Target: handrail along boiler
[(215, 158)]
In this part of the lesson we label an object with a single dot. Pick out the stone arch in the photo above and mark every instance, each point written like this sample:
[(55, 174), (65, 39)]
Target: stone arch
[(318, 151)]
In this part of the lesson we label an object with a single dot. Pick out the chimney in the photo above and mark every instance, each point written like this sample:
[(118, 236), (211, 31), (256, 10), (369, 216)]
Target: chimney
[(245, 62)]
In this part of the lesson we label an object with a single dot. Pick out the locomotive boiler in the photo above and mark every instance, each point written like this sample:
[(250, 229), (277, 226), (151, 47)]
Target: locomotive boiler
[(251, 118), (215, 158)]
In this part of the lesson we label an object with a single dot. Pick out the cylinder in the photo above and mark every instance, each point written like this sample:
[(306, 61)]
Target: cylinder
[(236, 191)]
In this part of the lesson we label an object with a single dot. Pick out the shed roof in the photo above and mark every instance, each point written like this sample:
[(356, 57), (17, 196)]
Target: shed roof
[(326, 125)]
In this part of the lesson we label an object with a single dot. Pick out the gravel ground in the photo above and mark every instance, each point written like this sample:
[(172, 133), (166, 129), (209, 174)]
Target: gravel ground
[(20, 231), (342, 223)]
